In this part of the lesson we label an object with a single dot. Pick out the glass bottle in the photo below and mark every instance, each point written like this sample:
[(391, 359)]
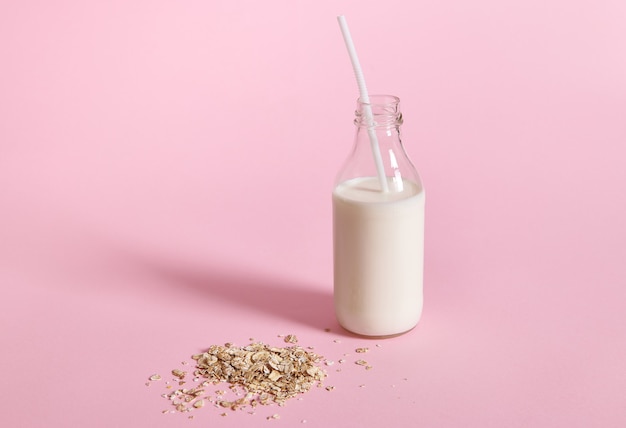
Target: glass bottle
[(378, 233)]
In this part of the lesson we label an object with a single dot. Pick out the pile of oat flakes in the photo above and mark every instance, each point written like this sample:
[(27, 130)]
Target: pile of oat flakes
[(257, 374)]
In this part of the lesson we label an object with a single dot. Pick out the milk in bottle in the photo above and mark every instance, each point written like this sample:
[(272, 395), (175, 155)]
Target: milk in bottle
[(378, 236)]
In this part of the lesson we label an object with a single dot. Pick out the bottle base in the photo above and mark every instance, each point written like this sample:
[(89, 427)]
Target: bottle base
[(375, 335)]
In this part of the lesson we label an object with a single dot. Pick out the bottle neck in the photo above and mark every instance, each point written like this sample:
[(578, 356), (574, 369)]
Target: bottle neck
[(382, 112), (378, 153)]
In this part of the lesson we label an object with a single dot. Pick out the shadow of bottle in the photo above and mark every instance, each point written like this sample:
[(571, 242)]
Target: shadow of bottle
[(261, 294)]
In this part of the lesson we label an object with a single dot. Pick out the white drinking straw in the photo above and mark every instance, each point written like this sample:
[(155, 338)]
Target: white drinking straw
[(365, 99)]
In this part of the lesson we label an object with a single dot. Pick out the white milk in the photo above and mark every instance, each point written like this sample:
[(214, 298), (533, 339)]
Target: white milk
[(378, 256)]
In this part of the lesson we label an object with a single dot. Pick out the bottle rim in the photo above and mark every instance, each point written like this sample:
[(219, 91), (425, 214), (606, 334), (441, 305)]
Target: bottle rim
[(380, 100)]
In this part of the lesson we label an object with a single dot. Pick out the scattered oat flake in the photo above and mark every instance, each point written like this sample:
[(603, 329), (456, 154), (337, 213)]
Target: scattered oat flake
[(155, 377), (274, 416), (291, 338), (361, 362), (368, 367), (179, 373), (198, 404), (330, 388), (361, 350), (342, 361)]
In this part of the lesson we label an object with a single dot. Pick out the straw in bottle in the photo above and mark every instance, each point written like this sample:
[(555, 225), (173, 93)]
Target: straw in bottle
[(365, 99)]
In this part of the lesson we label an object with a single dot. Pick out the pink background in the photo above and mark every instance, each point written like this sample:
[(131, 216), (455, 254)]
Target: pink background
[(165, 179)]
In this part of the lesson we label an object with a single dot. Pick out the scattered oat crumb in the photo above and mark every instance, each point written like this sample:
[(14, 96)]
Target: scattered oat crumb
[(224, 414), (361, 350), (184, 363), (337, 341), (368, 367), (329, 362), (274, 416), (330, 388), (341, 361), (362, 386), (155, 377), (147, 384), (165, 411), (361, 362), (378, 345)]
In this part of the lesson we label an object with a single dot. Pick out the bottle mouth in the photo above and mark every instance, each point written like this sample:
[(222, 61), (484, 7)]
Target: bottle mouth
[(385, 111), (380, 100)]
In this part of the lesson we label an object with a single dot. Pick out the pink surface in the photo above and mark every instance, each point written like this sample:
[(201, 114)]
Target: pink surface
[(165, 179)]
